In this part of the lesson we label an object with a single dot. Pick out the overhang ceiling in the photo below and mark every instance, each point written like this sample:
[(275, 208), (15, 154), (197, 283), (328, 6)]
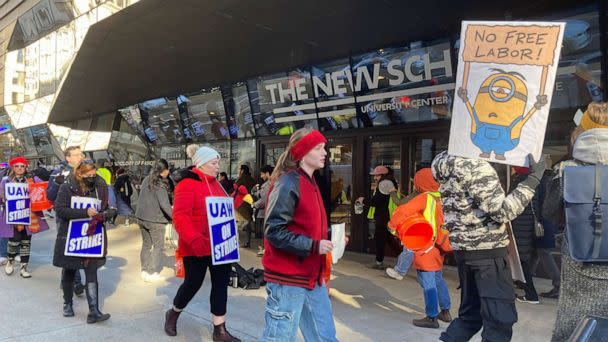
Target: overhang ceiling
[(158, 48)]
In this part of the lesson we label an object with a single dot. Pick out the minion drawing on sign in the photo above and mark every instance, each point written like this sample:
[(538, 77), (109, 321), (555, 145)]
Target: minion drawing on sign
[(498, 115), (504, 83)]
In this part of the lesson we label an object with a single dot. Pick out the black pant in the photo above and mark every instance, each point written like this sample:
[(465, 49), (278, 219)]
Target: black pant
[(196, 268), (259, 227), (529, 288), (19, 244), (249, 229), (153, 239), (486, 299), (383, 237), (67, 279)]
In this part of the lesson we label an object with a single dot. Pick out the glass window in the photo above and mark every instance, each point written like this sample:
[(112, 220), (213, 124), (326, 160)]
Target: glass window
[(341, 183), (400, 85), (159, 118), (132, 117), (203, 115), (97, 141), (578, 79), (32, 71), (14, 81), (47, 64), (240, 119), (27, 142), (333, 88), (61, 134), (83, 6), (387, 153), (282, 103), (82, 25), (127, 150), (243, 153), (42, 140), (65, 49), (77, 138)]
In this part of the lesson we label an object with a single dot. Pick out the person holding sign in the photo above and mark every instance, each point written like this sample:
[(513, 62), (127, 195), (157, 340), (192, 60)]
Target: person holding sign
[(203, 216), (82, 207), (18, 221), (296, 245)]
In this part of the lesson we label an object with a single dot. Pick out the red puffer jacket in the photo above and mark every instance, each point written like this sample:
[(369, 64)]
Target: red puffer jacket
[(189, 213)]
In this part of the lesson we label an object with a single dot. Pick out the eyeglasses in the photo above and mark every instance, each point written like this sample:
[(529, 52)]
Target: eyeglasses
[(20, 166)]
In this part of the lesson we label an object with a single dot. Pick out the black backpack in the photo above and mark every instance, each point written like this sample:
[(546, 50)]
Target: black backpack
[(586, 208), (250, 279)]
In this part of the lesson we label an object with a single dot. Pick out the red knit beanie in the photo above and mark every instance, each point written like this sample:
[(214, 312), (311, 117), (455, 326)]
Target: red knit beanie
[(307, 143), (18, 160)]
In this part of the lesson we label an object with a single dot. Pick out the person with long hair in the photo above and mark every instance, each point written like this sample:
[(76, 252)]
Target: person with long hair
[(153, 213), (584, 286), (82, 185), (191, 223), (19, 235), (296, 245)]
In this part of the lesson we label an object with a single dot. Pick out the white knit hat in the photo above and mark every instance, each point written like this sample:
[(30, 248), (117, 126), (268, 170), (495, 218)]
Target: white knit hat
[(203, 155)]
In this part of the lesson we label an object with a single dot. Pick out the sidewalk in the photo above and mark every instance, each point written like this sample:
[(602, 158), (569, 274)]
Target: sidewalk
[(368, 306)]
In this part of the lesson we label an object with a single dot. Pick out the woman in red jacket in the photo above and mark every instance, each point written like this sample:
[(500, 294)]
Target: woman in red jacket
[(296, 245), (428, 262), (190, 221)]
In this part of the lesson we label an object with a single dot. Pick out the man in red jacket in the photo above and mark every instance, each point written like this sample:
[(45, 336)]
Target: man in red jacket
[(296, 245)]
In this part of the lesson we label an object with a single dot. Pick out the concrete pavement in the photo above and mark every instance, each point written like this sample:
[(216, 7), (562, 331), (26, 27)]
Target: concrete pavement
[(368, 306)]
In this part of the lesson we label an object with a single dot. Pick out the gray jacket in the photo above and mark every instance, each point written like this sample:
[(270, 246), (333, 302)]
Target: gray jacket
[(584, 287), (153, 204), (260, 204), (475, 206)]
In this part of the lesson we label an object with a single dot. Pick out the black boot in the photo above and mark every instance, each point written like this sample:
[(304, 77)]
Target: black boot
[(68, 310), (171, 317), (94, 315), (68, 290), (220, 334)]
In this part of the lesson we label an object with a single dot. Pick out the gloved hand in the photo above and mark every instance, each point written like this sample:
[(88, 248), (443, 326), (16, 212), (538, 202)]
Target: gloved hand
[(537, 169)]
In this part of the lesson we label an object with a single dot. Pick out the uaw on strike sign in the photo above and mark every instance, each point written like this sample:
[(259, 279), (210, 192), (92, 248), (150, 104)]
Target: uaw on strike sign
[(17, 203), (79, 243), (222, 230)]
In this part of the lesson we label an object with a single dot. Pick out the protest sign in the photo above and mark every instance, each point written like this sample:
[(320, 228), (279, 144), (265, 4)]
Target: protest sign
[(222, 230), (17, 203), (80, 244), (506, 73)]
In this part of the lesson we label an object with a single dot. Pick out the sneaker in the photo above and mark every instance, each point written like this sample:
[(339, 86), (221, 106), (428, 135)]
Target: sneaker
[(18, 258), (155, 277), (554, 293), (445, 316), (392, 272), (24, 272), (3, 261), (9, 268), (426, 322), (523, 299), (144, 276), (377, 266)]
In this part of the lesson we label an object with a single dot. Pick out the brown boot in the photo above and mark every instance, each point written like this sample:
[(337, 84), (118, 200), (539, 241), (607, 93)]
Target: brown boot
[(426, 322), (445, 316), (220, 334), (171, 317)]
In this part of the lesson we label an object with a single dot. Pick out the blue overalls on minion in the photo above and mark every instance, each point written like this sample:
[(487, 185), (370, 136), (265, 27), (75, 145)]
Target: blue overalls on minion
[(491, 137)]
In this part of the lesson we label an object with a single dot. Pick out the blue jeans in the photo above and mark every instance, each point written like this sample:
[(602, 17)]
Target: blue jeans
[(3, 247), (404, 261), (435, 292), (290, 307)]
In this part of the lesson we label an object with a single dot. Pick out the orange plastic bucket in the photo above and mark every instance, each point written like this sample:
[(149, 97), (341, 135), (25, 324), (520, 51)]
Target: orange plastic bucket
[(416, 233), (38, 199)]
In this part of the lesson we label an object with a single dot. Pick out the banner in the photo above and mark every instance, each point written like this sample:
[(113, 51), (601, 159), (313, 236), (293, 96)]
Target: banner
[(504, 84), (78, 202), (222, 230), (38, 196), (17, 203), (79, 244)]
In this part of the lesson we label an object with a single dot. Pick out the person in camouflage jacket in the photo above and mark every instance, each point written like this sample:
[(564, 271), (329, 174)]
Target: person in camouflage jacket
[(475, 210)]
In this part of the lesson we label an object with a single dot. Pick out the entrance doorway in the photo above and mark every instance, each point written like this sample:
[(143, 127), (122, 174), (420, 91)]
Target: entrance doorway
[(340, 165)]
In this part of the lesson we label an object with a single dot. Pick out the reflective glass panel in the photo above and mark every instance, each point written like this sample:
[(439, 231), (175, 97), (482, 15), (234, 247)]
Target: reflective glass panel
[(203, 115), (243, 153)]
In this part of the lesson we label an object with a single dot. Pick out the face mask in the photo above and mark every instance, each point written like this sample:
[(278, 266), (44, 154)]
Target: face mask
[(90, 181)]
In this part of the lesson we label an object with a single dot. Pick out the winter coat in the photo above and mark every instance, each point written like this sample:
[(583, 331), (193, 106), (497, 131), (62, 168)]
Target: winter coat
[(123, 188), (57, 177), (190, 213), (228, 185), (295, 224), (7, 230), (424, 260), (262, 195), (547, 241), (475, 206), (153, 203), (247, 181), (64, 213), (523, 228), (584, 287)]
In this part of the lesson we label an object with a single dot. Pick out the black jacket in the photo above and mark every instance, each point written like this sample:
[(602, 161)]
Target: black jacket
[(64, 213), (123, 188), (153, 204), (523, 227), (247, 181)]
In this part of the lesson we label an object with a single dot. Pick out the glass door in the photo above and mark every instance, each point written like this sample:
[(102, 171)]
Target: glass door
[(340, 160)]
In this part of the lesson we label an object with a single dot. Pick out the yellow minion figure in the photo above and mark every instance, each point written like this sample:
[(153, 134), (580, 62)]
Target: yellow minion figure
[(499, 113)]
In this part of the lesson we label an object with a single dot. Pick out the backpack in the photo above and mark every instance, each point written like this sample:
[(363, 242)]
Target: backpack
[(250, 279), (585, 191)]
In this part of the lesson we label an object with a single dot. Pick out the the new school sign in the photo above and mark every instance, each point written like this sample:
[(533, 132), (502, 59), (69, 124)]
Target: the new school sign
[(222, 230)]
